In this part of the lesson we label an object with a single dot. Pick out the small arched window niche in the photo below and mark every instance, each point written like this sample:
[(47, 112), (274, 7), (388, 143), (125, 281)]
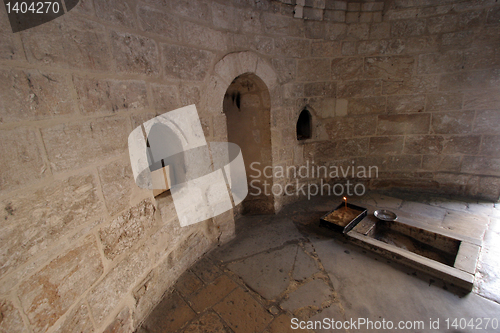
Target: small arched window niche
[(304, 125)]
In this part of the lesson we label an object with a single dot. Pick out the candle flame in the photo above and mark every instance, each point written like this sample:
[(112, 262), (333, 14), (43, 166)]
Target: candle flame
[(345, 199)]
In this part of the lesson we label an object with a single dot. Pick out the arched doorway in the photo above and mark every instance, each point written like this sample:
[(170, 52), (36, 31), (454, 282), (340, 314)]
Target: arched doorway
[(247, 106)]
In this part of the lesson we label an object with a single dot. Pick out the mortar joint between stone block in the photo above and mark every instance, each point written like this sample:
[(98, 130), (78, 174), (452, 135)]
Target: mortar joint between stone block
[(18, 305)]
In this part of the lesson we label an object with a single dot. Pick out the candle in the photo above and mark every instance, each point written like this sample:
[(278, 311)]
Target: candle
[(345, 202)]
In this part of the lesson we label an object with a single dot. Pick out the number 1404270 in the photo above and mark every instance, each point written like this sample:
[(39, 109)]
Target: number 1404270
[(32, 7), (472, 324)]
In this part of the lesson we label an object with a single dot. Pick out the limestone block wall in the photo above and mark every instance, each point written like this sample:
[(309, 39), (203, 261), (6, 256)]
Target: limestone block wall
[(82, 248), (411, 88)]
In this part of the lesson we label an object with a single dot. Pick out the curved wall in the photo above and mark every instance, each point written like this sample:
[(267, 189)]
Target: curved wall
[(408, 87)]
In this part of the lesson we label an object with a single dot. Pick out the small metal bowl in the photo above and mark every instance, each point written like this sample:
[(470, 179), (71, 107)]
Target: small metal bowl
[(385, 215)]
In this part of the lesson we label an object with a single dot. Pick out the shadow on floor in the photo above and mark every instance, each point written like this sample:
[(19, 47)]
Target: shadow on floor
[(284, 269)]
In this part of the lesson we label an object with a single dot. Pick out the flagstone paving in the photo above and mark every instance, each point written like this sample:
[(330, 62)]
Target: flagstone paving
[(285, 266)]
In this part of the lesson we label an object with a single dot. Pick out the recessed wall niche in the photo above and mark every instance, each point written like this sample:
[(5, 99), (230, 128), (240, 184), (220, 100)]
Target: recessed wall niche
[(304, 125)]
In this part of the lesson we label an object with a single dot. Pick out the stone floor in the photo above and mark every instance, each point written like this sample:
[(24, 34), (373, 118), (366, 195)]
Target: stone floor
[(285, 266)]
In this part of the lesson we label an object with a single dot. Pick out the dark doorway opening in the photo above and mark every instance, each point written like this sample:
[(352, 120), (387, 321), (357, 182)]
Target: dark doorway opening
[(247, 106), (304, 126)]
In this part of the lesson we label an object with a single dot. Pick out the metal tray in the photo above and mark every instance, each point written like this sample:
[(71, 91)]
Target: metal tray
[(351, 224)]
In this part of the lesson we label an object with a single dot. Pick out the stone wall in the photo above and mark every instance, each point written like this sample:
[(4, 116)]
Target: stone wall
[(413, 91), (82, 247), (409, 86)]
